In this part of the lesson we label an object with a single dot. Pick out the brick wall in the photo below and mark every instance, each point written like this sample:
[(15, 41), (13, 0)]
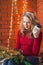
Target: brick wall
[(40, 16), (5, 15)]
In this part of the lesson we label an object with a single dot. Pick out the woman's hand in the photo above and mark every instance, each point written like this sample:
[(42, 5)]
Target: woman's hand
[(36, 35)]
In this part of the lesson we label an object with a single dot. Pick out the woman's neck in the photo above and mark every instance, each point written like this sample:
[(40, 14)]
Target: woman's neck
[(28, 33), (27, 30)]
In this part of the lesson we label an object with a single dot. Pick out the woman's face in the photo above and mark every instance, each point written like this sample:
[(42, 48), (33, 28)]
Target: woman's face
[(26, 22)]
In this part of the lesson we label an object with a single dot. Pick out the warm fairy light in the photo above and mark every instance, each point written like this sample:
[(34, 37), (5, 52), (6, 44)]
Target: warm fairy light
[(23, 1), (18, 17), (14, 0), (18, 22), (10, 31), (15, 6), (25, 6)]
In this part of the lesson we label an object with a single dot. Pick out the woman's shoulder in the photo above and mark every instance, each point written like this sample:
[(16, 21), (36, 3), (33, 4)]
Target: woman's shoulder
[(40, 35), (18, 32)]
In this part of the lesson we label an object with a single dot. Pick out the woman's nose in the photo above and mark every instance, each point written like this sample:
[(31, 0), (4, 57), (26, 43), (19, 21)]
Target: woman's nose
[(26, 23)]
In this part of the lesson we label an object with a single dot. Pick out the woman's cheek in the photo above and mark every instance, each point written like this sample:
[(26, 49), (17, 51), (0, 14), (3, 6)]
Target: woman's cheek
[(24, 24)]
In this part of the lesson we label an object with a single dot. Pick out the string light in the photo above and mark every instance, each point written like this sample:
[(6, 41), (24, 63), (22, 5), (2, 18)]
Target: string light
[(25, 6), (10, 31), (15, 6)]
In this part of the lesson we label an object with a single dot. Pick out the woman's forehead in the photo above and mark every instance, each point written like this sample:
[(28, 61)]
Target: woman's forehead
[(25, 18)]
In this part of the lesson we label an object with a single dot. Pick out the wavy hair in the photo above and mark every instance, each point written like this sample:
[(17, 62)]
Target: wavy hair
[(33, 19)]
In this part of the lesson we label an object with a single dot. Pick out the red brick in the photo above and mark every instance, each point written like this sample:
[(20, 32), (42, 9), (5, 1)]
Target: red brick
[(4, 30), (5, 26)]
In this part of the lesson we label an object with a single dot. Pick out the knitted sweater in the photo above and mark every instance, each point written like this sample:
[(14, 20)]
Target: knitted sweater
[(29, 46)]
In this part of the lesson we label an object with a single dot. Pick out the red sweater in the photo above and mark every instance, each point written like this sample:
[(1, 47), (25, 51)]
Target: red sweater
[(28, 45)]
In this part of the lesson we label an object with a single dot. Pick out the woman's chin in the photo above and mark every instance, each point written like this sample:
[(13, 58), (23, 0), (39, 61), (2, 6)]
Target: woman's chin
[(27, 28)]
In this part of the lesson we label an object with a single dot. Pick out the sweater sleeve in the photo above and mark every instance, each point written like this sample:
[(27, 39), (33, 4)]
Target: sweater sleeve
[(36, 45), (18, 41)]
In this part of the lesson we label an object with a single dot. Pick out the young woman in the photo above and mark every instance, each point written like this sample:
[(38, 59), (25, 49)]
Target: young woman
[(28, 41)]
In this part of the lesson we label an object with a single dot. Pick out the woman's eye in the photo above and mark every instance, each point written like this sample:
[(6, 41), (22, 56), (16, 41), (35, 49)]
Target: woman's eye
[(28, 22), (24, 22)]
